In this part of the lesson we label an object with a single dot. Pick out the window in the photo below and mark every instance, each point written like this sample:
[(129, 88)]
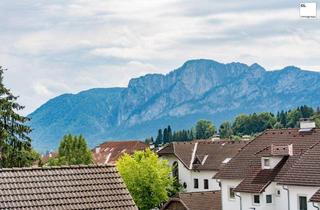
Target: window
[(256, 199), (175, 171), (195, 183), (303, 203), (278, 193), (266, 162), (206, 184), (268, 198), (231, 193)]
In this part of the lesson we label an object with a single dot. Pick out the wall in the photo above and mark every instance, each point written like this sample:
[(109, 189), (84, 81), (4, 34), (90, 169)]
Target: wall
[(229, 204), (187, 176), (295, 191)]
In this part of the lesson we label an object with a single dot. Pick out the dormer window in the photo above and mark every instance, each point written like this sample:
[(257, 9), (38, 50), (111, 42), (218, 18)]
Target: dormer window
[(266, 163)]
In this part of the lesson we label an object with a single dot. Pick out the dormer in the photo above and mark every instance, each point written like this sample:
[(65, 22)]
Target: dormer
[(276, 154)]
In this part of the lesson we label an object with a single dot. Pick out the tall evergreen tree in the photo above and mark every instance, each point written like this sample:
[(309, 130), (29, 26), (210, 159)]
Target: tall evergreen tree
[(15, 144), (165, 136), (169, 133), (159, 139)]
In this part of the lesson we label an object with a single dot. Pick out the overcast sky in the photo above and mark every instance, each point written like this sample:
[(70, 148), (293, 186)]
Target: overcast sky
[(65, 46)]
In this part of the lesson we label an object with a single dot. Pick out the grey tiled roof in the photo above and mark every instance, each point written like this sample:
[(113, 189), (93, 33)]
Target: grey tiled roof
[(66, 187)]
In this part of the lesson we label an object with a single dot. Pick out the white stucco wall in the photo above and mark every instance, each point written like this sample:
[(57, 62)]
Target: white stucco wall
[(296, 191), (187, 176), (278, 201), (229, 204)]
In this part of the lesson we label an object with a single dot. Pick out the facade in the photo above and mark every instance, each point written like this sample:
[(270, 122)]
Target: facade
[(278, 170), (195, 163), (109, 152), (63, 188), (209, 200)]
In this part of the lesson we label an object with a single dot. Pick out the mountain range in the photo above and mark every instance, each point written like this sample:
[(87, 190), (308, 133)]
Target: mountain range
[(199, 89)]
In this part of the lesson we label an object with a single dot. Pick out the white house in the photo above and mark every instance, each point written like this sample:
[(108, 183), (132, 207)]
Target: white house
[(278, 170), (195, 163)]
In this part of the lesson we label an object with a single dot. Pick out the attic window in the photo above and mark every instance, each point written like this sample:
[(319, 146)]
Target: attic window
[(266, 162)]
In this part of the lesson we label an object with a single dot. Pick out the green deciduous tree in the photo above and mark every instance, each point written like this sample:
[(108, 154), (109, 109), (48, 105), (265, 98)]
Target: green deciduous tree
[(73, 150), (147, 178), (15, 144), (204, 129)]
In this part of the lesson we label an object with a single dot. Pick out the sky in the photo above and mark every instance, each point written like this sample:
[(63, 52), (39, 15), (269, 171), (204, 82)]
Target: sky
[(66, 46)]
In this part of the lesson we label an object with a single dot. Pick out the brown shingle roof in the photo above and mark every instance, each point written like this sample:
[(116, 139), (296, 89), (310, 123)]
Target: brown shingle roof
[(68, 187), (210, 200), (306, 170), (316, 197), (259, 178), (246, 162), (109, 152), (210, 154)]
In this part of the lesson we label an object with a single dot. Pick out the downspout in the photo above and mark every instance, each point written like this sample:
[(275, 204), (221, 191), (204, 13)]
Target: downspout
[(315, 206), (240, 200), (286, 189)]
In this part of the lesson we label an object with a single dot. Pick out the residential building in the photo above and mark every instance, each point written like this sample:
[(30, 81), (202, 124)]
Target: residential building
[(195, 163), (278, 170), (209, 200), (62, 188), (110, 151)]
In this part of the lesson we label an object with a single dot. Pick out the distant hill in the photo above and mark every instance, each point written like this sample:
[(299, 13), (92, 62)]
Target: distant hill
[(199, 89)]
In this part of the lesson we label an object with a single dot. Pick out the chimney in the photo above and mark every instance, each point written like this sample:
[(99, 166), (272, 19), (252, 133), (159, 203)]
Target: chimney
[(306, 125)]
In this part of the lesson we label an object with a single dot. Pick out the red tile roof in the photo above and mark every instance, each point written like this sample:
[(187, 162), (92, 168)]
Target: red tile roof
[(109, 152), (209, 154), (66, 187), (210, 200), (300, 168)]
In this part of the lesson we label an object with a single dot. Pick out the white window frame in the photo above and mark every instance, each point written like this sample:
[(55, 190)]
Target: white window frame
[(263, 162), (256, 204), (271, 199), (229, 190), (298, 200)]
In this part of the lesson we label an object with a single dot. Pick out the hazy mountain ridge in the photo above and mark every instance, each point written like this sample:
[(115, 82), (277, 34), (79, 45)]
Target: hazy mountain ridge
[(198, 89)]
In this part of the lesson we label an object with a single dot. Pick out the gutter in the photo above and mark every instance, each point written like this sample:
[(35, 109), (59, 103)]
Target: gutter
[(286, 189), (236, 194), (315, 206)]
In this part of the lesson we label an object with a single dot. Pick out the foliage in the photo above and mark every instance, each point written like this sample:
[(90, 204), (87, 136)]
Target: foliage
[(147, 178), (204, 129), (15, 144), (159, 139), (73, 150), (225, 130)]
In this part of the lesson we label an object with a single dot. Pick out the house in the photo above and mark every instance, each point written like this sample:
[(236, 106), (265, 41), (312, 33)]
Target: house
[(68, 187), (278, 170), (109, 152), (209, 200), (194, 163)]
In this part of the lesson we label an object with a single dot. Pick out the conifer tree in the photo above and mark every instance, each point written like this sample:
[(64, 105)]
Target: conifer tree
[(159, 139), (15, 143)]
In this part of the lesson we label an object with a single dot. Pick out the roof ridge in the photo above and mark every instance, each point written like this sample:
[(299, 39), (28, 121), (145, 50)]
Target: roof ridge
[(57, 167)]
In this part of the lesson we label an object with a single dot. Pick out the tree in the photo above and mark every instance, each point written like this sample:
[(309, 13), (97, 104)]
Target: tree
[(159, 139), (204, 129), (165, 136), (73, 150), (225, 130), (146, 177), (169, 133), (15, 144)]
